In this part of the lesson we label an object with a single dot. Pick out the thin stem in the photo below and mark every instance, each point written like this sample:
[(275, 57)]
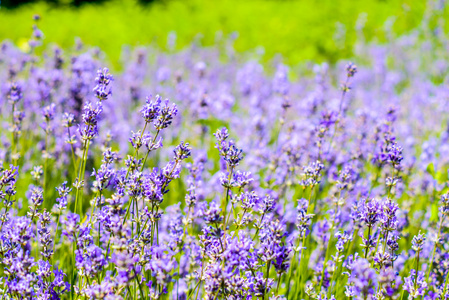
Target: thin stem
[(138, 282), (13, 136), (291, 267), (200, 279), (46, 158), (368, 237), (73, 151), (326, 256), (219, 238), (191, 293), (445, 285), (98, 196), (417, 269), (434, 249), (79, 174), (56, 233), (225, 204), (302, 274), (265, 292), (343, 93), (258, 227), (279, 283), (148, 152), (127, 210)]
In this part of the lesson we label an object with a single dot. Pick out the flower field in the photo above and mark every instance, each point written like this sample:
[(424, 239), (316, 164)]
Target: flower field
[(205, 173)]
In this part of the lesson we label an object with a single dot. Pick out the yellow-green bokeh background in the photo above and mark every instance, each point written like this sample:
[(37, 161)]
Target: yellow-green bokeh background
[(299, 30)]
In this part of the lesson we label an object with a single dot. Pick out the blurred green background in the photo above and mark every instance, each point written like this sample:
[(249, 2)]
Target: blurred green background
[(298, 30)]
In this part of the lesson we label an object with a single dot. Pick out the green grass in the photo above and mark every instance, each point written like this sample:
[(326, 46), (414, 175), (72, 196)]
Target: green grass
[(299, 30)]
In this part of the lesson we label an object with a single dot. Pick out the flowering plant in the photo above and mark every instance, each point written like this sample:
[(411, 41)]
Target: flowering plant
[(245, 185)]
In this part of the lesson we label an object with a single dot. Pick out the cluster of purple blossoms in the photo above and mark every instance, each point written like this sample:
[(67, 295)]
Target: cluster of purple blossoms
[(245, 185)]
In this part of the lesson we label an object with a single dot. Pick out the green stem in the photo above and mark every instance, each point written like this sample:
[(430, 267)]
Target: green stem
[(13, 135), (225, 204), (98, 196), (265, 292), (56, 233), (434, 249), (417, 269), (128, 209), (148, 152), (83, 172), (368, 237), (46, 159), (279, 283), (326, 256), (194, 289), (445, 285), (200, 279), (138, 282), (302, 274), (258, 227), (73, 151), (343, 93), (79, 175), (291, 268)]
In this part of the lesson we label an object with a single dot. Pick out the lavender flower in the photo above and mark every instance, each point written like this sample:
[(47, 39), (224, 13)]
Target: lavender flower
[(230, 226), (102, 89), (151, 109), (14, 93), (415, 284)]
